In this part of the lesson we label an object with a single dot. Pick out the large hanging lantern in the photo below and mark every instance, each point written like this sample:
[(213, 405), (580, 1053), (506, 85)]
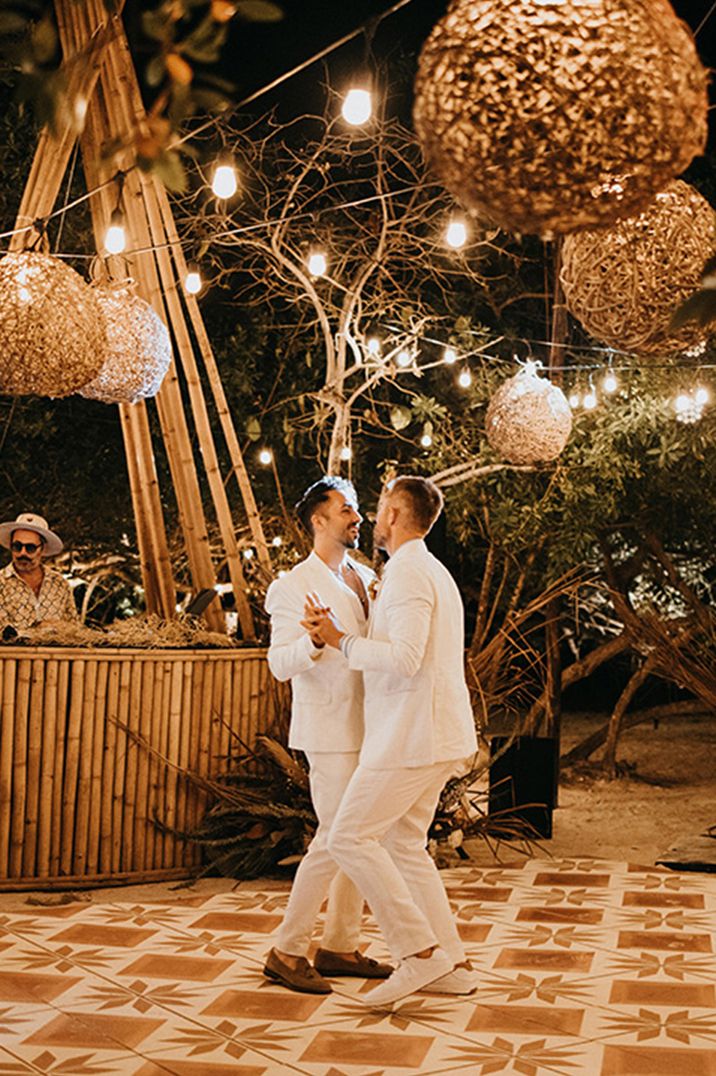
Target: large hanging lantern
[(138, 351), (556, 115), (624, 283), (52, 333), (528, 419)]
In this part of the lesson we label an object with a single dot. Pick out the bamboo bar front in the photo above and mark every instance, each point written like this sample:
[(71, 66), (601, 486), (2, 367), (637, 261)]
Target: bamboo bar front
[(78, 794)]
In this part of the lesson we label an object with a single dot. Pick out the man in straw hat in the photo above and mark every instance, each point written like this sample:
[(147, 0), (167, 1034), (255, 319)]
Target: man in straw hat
[(31, 594)]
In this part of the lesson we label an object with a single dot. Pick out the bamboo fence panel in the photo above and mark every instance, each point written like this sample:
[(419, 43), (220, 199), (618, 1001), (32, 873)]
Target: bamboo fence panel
[(78, 793)]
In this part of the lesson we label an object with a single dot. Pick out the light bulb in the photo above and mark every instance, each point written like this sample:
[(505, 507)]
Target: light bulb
[(373, 345), (277, 540), (346, 452), (465, 379), (404, 358), (248, 554), (574, 400), (115, 239), (357, 107), (449, 356), (702, 396), (590, 400), (426, 440), (192, 282), (456, 234), (610, 383), (265, 456), (317, 263), (223, 182), (682, 402)]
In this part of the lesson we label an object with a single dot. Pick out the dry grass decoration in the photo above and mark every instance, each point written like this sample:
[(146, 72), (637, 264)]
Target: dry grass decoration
[(552, 117), (528, 419), (52, 331), (623, 284), (138, 350)]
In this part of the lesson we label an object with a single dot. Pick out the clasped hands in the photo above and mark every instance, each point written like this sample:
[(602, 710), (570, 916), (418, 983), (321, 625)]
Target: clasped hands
[(320, 623)]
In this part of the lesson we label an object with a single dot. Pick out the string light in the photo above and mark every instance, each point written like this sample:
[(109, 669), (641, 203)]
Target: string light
[(465, 379), (574, 400), (404, 358), (192, 281), (373, 345), (456, 233), (265, 456), (426, 440), (590, 399), (317, 263), (702, 397), (449, 356), (223, 182), (346, 453), (248, 554), (115, 239), (357, 106), (689, 406), (610, 383), (277, 541)]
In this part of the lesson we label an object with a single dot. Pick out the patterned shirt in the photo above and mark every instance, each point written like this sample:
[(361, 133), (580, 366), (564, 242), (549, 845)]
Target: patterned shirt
[(21, 607)]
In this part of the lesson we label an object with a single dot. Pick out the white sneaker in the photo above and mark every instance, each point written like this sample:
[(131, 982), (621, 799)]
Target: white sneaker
[(457, 981), (411, 975)]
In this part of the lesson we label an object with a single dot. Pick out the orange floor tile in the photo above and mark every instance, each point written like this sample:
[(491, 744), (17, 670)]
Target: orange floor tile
[(585, 968)]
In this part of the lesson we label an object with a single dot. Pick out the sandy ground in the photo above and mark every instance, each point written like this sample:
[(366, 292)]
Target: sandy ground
[(667, 796)]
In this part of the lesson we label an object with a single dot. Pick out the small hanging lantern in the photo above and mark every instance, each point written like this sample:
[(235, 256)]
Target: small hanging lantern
[(528, 419), (550, 116), (138, 350), (52, 332), (624, 283)]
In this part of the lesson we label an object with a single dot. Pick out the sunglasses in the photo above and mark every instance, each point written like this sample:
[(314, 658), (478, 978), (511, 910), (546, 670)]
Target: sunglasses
[(30, 547)]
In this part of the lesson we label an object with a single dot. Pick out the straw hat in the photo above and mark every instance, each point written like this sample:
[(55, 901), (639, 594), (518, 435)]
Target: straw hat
[(28, 521)]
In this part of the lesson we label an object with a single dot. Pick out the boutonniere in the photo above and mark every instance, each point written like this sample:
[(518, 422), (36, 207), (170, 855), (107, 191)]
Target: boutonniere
[(373, 588)]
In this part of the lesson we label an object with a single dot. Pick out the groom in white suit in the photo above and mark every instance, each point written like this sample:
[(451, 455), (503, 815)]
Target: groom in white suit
[(327, 724), (419, 731)]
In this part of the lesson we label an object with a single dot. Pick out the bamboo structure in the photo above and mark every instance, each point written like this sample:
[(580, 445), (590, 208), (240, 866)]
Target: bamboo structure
[(100, 70), (81, 780)]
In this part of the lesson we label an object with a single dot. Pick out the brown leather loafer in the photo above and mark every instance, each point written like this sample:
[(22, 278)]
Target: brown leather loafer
[(363, 967), (302, 978)]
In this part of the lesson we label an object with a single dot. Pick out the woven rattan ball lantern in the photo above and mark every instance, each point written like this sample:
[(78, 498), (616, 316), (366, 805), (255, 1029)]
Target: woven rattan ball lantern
[(52, 337), (528, 419), (138, 351), (550, 116), (624, 283)]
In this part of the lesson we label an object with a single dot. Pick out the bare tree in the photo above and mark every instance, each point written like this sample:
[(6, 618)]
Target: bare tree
[(363, 200)]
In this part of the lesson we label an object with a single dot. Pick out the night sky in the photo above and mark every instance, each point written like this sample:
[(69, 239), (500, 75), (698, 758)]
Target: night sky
[(257, 54)]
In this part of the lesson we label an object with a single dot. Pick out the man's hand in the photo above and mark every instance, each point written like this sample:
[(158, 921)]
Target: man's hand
[(320, 623)]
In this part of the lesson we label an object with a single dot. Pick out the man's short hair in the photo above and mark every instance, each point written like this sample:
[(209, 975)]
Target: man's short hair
[(318, 493), (422, 496)]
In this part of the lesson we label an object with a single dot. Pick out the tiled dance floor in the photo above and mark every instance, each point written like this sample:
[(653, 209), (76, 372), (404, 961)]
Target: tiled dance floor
[(585, 967)]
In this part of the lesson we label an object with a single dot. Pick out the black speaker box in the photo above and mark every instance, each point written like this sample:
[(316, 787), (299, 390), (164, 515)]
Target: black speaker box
[(525, 778)]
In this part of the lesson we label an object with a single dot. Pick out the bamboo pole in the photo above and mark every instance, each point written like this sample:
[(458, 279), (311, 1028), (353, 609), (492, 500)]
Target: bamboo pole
[(63, 695), (72, 762), (108, 765), (132, 767), (120, 768), (50, 717), (19, 766), (34, 761), (142, 817), (173, 718), (97, 768), (155, 769), (7, 736), (86, 748)]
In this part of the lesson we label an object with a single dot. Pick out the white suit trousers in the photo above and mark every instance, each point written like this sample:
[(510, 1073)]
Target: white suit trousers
[(378, 839), (330, 773)]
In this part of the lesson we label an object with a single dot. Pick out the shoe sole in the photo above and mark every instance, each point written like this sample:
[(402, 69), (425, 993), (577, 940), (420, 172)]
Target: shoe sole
[(276, 977)]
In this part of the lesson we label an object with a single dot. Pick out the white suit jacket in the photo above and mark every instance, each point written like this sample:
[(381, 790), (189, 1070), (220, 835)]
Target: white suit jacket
[(327, 704), (417, 706)]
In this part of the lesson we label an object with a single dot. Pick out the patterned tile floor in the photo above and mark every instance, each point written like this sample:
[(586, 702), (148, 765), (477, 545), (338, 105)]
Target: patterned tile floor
[(586, 967)]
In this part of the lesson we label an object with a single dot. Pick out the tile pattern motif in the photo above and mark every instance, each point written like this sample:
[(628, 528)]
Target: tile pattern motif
[(586, 968)]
